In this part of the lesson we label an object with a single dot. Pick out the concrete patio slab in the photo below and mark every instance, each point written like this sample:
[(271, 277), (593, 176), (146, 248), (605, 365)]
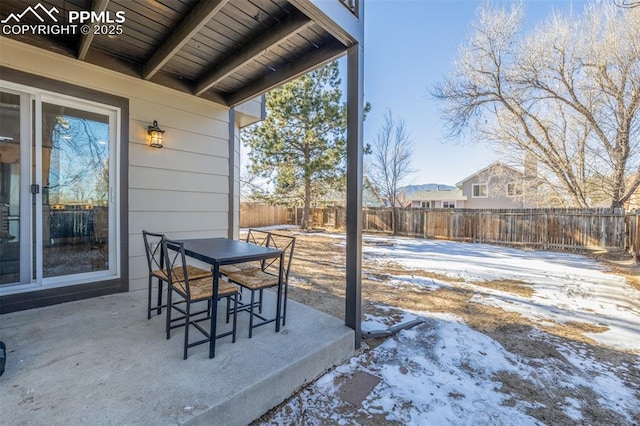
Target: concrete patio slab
[(100, 361)]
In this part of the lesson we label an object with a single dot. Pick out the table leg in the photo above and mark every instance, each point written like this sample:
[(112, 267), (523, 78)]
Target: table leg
[(279, 298), (215, 269)]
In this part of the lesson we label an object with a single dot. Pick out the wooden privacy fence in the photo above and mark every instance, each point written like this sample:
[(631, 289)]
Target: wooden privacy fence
[(558, 229), (259, 214), (333, 217), (632, 222), (564, 229)]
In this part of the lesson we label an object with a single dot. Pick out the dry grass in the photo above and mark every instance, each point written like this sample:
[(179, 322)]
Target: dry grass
[(319, 276)]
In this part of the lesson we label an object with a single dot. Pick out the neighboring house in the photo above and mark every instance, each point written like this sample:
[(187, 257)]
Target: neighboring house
[(438, 199), (497, 186), (80, 178)]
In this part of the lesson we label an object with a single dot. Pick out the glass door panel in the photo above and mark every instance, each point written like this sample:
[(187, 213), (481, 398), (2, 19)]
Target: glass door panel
[(10, 137), (75, 190)]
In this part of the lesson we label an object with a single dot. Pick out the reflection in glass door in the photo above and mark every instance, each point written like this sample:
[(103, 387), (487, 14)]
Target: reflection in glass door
[(10, 179), (75, 190), (57, 205)]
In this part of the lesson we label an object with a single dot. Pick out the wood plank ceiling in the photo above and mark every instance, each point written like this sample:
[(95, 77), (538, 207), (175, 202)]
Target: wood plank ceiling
[(227, 51)]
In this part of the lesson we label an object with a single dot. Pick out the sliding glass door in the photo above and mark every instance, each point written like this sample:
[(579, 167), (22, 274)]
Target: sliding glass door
[(58, 165)]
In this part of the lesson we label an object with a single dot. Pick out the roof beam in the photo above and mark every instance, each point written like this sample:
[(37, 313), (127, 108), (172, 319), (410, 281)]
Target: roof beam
[(336, 19), (86, 39), (287, 72), (295, 23), (199, 16)]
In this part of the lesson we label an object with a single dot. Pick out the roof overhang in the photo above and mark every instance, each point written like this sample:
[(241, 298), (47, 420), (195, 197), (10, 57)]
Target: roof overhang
[(225, 51)]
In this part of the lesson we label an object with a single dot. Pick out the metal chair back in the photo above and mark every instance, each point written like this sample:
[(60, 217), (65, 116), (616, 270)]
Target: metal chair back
[(285, 243), (176, 265), (258, 237), (153, 250)]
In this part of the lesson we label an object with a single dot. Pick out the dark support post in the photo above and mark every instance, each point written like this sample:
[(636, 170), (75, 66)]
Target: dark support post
[(353, 299), (232, 174)]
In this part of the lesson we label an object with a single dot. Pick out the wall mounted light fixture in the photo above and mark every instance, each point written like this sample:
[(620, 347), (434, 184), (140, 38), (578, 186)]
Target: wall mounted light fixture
[(155, 135)]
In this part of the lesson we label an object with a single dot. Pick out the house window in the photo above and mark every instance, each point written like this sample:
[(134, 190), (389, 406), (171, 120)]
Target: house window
[(479, 190), (448, 204), (514, 189)]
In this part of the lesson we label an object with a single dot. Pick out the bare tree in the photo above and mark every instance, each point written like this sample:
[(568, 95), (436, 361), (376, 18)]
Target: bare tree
[(628, 4), (566, 95), (390, 163)]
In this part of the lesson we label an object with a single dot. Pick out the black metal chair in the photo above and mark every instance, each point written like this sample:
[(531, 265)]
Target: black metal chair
[(254, 236), (155, 262), (191, 291), (264, 278)]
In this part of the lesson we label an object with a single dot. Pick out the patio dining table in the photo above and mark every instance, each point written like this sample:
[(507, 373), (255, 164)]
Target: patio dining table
[(225, 251)]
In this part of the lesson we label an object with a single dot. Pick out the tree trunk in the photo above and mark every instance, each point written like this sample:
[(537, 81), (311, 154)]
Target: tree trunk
[(307, 202), (393, 221)]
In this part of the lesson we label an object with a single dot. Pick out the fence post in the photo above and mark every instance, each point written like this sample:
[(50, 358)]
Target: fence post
[(545, 233), (635, 238), (424, 224), (474, 227), (603, 231)]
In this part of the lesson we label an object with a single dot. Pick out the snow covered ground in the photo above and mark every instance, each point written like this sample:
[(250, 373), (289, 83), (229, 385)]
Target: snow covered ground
[(566, 287), (443, 372)]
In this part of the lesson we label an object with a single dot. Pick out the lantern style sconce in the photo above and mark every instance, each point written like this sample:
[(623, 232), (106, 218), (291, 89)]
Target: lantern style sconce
[(155, 135)]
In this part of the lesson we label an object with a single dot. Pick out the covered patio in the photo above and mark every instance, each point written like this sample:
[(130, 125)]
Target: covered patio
[(80, 349), (100, 361)]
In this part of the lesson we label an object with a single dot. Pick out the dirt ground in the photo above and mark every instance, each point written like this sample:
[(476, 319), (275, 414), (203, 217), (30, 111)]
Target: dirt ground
[(318, 277)]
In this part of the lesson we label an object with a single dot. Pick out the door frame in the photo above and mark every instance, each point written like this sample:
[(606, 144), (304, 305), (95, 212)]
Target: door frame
[(39, 296)]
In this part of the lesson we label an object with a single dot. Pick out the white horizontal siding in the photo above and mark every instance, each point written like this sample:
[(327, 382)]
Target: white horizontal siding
[(176, 201), (171, 180), (168, 159), (167, 115), (176, 222)]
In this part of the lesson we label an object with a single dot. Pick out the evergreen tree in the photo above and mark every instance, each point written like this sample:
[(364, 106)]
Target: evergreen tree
[(301, 144)]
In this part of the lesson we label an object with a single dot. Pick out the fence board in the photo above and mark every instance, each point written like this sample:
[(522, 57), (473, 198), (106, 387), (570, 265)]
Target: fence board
[(258, 214)]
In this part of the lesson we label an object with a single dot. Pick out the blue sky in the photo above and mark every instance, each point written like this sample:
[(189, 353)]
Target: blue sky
[(410, 46)]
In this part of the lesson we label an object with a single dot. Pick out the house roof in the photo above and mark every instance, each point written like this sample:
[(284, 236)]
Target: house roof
[(226, 51), (449, 195), (494, 164)]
